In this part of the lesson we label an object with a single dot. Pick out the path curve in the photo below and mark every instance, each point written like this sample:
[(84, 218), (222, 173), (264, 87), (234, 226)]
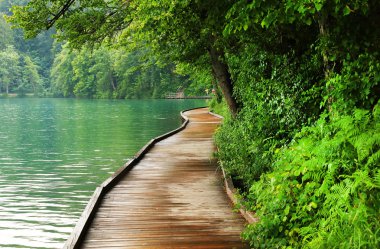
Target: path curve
[(173, 197)]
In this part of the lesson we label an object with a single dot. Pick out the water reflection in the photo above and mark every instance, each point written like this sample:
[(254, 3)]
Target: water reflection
[(54, 152)]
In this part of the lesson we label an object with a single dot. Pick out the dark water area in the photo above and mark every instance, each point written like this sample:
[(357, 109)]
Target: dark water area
[(55, 152)]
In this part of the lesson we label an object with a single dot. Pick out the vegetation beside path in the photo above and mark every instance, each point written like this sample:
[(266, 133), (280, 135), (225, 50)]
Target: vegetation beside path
[(304, 147)]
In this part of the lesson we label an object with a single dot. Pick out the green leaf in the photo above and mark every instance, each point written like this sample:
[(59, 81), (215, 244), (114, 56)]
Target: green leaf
[(313, 204), (318, 6), (297, 173), (264, 23), (286, 210), (308, 21), (346, 10)]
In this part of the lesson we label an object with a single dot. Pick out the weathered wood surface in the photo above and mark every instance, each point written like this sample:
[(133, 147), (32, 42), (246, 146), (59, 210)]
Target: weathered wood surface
[(173, 197)]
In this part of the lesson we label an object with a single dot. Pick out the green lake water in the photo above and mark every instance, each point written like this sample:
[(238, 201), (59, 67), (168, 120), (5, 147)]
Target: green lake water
[(55, 152)]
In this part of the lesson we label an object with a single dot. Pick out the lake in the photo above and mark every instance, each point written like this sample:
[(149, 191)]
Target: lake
[(55, 152)]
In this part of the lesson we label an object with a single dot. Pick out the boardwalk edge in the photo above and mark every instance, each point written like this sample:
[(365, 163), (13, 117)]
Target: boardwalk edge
[(249, 216)]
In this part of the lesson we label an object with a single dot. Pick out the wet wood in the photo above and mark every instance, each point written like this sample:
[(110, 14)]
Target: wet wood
[(173, 197)]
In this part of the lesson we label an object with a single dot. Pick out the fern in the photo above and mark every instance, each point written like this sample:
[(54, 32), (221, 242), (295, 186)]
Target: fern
[(377, 179), (325, 186), (374, 159)]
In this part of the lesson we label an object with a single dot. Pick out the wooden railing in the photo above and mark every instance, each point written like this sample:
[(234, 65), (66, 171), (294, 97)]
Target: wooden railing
[(178, 96)]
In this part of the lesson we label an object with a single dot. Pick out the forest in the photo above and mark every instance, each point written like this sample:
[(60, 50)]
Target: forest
[(297, 82), (43, 66)]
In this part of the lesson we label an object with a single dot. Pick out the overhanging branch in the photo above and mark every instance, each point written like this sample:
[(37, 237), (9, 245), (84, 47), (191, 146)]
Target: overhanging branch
[(60, 13)]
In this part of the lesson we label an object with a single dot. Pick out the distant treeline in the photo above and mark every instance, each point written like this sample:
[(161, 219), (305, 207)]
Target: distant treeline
[(44, 67), (24, 65), (112, 73)]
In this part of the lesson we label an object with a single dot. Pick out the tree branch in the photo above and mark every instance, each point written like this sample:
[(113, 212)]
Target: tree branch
[(62, 11)]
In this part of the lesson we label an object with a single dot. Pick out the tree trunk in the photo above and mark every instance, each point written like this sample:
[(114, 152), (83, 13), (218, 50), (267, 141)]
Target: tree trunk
[(328, 68), (112, 82), (217, 91), (34, 89), (221, 74), (324, 34)]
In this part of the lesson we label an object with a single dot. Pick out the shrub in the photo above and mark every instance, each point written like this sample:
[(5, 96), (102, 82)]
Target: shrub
[(280, 97), (324, 190)]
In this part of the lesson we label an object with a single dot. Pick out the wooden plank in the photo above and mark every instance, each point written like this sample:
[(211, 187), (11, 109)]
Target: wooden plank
[(173, 197)]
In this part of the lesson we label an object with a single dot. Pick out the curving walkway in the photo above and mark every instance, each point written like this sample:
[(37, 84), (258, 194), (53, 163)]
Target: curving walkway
[(173, 197)]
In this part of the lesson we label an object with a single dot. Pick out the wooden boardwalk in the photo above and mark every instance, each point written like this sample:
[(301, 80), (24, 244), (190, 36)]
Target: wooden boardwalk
[(172, 198)]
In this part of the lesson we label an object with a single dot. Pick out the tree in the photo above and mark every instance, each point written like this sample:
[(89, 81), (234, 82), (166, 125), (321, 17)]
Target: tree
[(62, 74), (6, 37), (30, 78), (183, 31), (104, 73), (202, 81), (334, 29), (38, 49), (85, 80), (9, 67), (112, 73)]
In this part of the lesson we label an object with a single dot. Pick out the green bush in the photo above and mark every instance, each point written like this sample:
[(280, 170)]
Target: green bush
[(219, 108), (324, 190), (357, 85), (304, 148), (280, 98)]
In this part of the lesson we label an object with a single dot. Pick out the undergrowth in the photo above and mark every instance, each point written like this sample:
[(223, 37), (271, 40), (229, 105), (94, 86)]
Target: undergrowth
[(324, 190), (306, 158)]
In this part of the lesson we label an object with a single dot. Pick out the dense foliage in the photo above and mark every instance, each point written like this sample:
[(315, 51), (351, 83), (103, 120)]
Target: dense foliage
[(304, 149), (21, 70), (301, 81), (324, 189), (113, 73), (43, 67)]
